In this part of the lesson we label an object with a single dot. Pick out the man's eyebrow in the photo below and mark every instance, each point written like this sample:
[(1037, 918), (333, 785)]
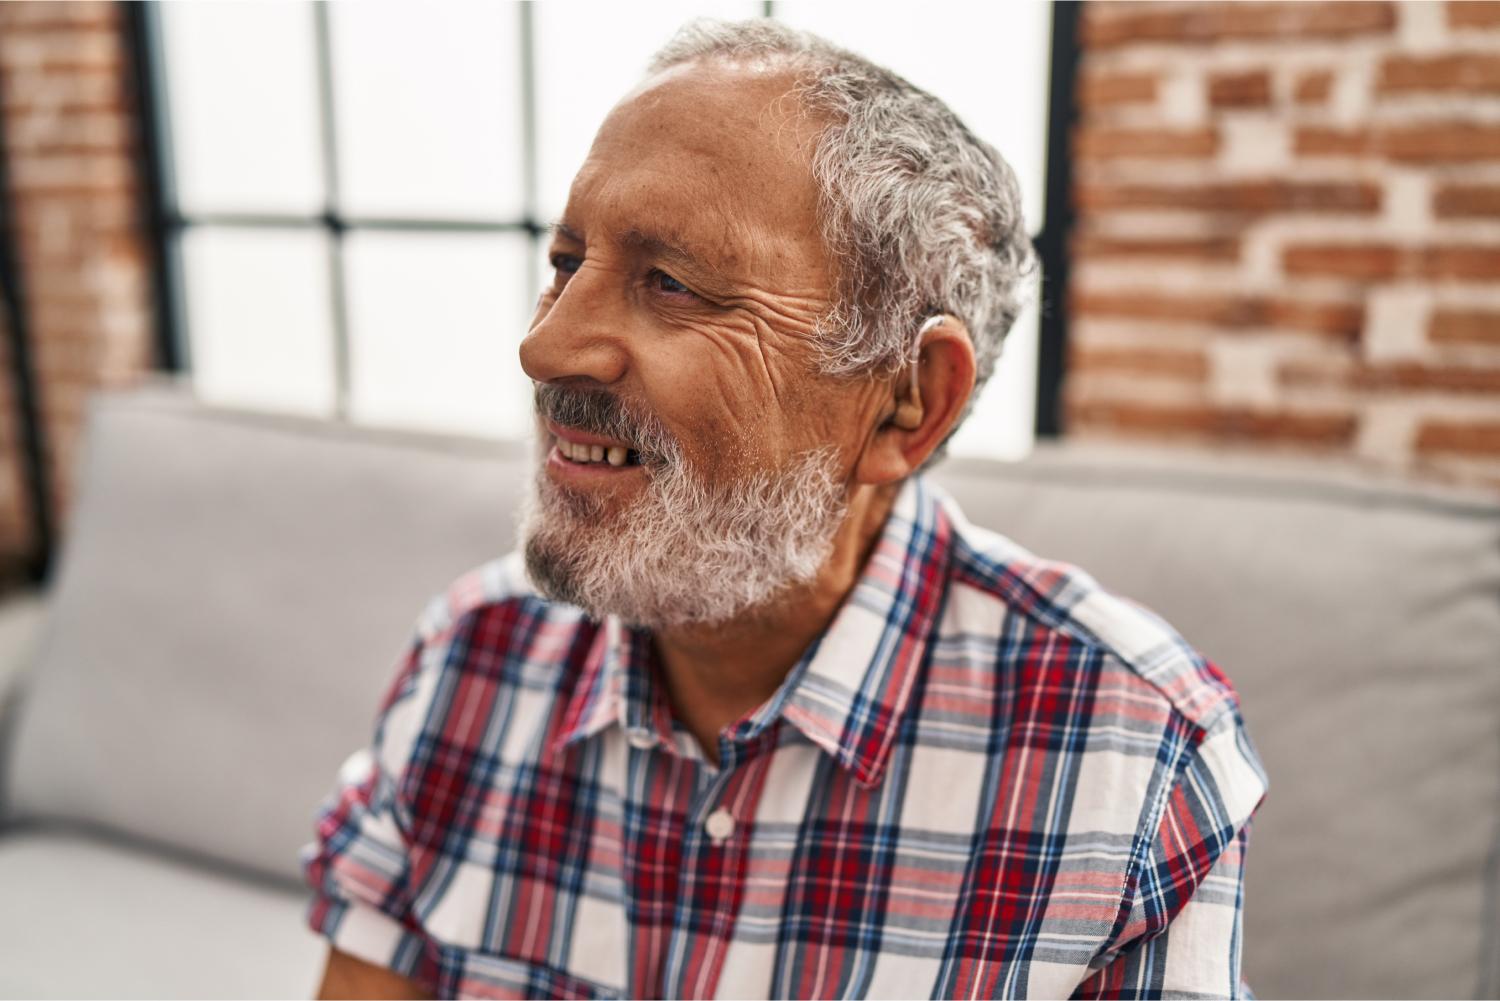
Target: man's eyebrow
[(669, 246), (675, 248)]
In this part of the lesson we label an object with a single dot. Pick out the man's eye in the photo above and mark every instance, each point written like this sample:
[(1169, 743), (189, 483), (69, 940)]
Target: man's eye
[(565, 263), (666, 283)]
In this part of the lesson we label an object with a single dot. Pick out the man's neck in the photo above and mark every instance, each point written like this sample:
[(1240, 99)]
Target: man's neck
[(716, 674)]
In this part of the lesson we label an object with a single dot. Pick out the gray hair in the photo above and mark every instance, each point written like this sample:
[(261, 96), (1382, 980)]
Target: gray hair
[(922, 216)]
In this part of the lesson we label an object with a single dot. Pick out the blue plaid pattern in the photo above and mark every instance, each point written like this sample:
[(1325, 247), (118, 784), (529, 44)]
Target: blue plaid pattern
[(990, 777)]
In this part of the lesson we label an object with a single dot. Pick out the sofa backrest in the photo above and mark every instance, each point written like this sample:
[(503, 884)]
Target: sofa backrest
[(231, 599), (234, 592), (1360, 623)]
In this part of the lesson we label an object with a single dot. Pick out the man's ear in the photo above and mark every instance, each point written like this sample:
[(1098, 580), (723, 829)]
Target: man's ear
[(925, 402)]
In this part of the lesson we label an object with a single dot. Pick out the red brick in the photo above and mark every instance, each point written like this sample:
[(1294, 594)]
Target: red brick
[(1460, 263), (1313, 87), (36, 14), (1333, 319), (1428, 142), (72, 175), (1370, 262), (1464, 326), (78, 90), (1320, 372), (1441, 378), (1464, 72), (1209, 23), (1474, 14), (1480, 438), (1237, 197), (1214, 310), (57, 51), (1321, 140), (1385, 262), (1443, 142), (1218, 249), (1219, 423), (1100, 90), (1339, 321), (1098, 142), (86, 134), (1458, 201), (1395, 377), (1240, 90), (1163, 362)]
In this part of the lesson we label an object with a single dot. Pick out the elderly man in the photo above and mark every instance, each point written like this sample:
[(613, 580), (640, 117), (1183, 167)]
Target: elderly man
[(756, 712)]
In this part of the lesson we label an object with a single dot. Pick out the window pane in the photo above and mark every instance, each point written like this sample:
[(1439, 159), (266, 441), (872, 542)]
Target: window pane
[(581, 74), (435, 324), (429, 108), (1003, 422), (993, 74), (241, 92), (259, 326)]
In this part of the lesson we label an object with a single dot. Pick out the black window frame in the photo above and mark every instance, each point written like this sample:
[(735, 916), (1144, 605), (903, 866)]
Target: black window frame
[(168, 223)]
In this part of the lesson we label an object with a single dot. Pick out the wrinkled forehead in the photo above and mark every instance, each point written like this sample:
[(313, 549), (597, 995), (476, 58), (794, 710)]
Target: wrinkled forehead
[(721, 150)]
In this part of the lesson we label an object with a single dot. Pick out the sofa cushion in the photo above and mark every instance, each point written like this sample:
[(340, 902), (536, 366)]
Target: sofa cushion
[(1361, 626), (233, 595), (91, 918)]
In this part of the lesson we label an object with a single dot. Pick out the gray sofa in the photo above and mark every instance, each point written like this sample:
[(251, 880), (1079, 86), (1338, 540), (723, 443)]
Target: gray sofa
[(234, 589)]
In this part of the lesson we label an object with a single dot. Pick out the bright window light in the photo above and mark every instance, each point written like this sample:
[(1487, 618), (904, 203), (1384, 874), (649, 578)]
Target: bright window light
[(457, 129)]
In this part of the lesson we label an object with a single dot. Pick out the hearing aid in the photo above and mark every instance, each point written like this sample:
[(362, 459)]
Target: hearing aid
[(908, 415)]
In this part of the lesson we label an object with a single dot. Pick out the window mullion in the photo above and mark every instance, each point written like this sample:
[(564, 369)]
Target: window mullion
[(332, 220)]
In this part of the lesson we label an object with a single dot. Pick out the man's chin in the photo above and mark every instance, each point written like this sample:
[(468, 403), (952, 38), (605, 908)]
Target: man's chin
[(562, 532), (553, 572), (560, 570), (679, 554)]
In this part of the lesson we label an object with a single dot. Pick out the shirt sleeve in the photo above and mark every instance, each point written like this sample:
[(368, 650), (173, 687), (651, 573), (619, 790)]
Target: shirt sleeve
[(359, 864), (1182, 935)]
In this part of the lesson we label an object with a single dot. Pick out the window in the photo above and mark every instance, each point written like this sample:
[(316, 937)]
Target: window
[(355, 193)]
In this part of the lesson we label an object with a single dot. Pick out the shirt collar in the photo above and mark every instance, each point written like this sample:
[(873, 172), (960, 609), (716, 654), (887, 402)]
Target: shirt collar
[(848, 692)]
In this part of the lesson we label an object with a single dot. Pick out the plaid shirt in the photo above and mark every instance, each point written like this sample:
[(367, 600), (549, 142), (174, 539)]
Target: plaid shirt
[(989, 777)]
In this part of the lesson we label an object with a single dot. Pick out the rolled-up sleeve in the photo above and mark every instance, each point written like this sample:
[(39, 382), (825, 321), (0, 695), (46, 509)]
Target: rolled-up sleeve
[(1182, 935), (359, 864)]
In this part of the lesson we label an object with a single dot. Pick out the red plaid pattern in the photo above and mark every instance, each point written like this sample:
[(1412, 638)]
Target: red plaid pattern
[(989, 777)]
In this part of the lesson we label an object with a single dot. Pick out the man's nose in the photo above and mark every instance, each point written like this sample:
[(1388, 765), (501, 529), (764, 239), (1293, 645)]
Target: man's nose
[(581, 335)]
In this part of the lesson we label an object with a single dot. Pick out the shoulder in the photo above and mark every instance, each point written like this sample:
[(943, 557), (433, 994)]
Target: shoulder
[(489, 625), (1154, 706), (494, 610), (998, 584)]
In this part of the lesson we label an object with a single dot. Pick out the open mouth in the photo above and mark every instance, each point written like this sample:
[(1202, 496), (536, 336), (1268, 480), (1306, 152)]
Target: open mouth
[(580, 454)]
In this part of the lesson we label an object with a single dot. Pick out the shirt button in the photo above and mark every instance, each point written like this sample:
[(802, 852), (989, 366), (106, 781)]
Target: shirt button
[(719, 825), (643, 739)]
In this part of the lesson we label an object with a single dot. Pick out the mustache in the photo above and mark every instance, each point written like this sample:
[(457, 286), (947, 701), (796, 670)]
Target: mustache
[(600, 412)]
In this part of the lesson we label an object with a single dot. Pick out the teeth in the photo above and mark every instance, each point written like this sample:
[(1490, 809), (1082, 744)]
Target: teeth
[(615, 455)]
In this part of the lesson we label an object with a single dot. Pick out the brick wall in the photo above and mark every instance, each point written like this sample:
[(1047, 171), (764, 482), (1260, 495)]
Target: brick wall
[(1289, 231), (71, 160)]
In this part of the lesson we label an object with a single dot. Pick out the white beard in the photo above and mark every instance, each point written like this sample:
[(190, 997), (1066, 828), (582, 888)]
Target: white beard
[(684, 552)]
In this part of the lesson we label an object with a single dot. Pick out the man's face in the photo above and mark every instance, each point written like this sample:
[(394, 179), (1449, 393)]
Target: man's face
[(690, 275)]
